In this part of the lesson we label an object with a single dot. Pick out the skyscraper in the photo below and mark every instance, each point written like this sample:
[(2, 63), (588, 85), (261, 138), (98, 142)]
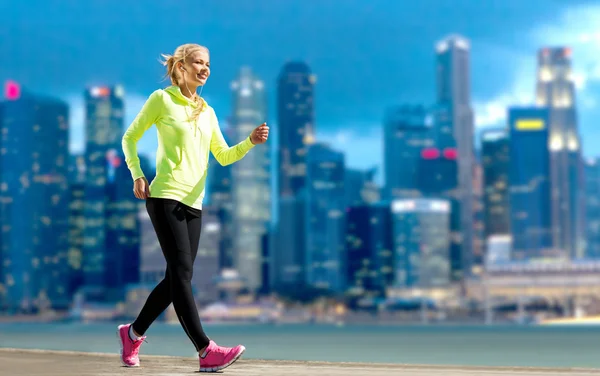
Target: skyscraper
[(556, 90), (251, 179), (221, 199), (369, 246), (34, 195), (592, 208), (438, 179), (296, 127), (360, 187), (454, 127), (204, 283), (76, 221), (103, 132), (421, 229), (122, 229), (325, 218), (495, 160), (296, 122), (529, 182), (407, 130)]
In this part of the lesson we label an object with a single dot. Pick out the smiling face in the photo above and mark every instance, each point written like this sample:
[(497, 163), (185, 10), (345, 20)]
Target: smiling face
[(196, 67)]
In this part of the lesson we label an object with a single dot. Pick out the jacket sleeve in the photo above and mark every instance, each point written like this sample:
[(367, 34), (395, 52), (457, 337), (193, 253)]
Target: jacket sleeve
[(224, 154), (142, 122)]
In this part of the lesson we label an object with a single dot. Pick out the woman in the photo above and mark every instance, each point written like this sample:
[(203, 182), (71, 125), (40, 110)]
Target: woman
[(187, 129)]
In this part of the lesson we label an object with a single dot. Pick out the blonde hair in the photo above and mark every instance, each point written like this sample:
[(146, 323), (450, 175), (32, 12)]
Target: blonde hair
[(170, 62)]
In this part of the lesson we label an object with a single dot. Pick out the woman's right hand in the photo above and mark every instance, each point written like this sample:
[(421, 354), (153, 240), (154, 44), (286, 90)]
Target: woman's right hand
[(141, 189)]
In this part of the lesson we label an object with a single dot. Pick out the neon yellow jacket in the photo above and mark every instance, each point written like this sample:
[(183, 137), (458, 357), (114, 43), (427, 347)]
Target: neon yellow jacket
[(183, 147)]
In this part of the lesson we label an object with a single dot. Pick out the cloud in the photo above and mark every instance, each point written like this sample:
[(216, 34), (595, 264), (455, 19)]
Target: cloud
[(362, 145), (576, 28)]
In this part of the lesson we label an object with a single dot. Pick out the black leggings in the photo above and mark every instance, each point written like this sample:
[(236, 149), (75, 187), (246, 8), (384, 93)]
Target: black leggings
[(178, 228)]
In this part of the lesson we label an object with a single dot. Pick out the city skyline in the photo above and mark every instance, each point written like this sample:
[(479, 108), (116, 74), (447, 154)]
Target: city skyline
[(354, 84)]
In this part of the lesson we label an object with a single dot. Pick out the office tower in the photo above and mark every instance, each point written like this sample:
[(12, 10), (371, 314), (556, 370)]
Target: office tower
[(76, 183), (421, 230), (478, 219), (221, 198), (407, 130), (296, 122), (438, 178), (34, 194), (592, 208), (369, 250), (360, 187), (454, 128), (251, 179), (325, 220), (495, 162), (204, 281), (122, 229), (296, 128), (556, 90), (103, 132), (529, 182)]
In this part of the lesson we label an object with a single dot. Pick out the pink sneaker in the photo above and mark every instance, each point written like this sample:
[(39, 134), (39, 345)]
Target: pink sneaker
[(218, 357), (129, 348)]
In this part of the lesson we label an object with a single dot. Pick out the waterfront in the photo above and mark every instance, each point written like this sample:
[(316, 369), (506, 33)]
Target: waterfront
[(527, 346)]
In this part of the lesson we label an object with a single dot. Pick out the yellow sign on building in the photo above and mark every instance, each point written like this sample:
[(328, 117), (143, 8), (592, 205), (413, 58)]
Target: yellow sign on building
[(530, 124)]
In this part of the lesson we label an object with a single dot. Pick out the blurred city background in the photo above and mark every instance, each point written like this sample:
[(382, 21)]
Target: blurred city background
[(430, 162)]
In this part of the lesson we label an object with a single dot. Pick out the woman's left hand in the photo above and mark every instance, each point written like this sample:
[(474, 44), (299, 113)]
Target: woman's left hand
[(260, 134)]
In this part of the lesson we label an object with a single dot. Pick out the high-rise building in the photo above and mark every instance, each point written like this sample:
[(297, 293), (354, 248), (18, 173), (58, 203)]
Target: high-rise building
[(296, 128), (296, 122), (454, 128), (438, 178), (421, 230), (204, 282), (360, 187), (407, 130), (478, 222), (251, 178), (495, 160), (103, 132), (529, 182), (369, 249), (76, 221), (592, 208), (288, 245), (221, 198), (34, 194), (122, 229), (325, 218), (556, 91)]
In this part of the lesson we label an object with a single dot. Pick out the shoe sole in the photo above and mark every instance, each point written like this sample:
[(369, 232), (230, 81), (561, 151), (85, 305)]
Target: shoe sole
[(121, 348), (219, 368)]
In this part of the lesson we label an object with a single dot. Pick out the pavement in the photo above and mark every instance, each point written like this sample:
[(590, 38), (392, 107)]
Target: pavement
[(17, 362)]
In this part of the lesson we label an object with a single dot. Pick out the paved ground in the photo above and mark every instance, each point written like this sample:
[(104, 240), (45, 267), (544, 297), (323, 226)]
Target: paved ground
[(16, 362)]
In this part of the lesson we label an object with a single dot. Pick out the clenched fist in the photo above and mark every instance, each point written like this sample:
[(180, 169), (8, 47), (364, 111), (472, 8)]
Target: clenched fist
[(260, 134), (141, 189)]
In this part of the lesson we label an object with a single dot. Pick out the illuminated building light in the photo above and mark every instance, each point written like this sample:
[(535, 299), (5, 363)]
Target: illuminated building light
[(530, 124), (441, 47), (451, 153), (573, 145), (119, 91), (100, 91), (12, 90), (556, 143), (546, 74), (430, 153)]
